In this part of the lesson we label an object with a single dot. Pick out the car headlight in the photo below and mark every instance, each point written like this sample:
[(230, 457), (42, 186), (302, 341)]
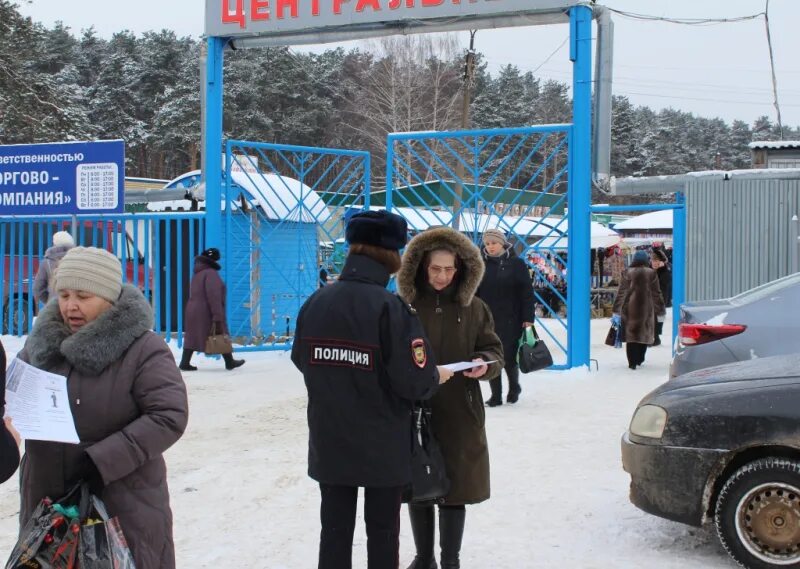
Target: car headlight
[(649, 421)]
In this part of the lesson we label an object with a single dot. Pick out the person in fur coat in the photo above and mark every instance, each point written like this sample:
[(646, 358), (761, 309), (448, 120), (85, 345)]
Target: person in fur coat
[(440, 273), (127, 397), (638, 299)]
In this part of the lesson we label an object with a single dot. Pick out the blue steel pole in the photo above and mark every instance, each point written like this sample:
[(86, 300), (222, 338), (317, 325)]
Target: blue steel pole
[(213, 167), (580, 195), (678, 262), (389, 172)]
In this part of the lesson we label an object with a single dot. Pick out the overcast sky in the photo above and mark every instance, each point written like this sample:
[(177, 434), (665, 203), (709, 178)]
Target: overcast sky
[(719, 70)]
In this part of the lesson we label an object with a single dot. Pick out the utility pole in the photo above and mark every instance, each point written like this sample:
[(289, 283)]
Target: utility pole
[(469, 78)]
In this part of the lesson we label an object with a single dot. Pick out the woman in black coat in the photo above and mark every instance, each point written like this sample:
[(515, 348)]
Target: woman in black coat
[(9, 438), (507, 289), (664, 271)]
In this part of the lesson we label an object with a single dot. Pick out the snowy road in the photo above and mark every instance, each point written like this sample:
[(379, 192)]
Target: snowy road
[(241, 496)]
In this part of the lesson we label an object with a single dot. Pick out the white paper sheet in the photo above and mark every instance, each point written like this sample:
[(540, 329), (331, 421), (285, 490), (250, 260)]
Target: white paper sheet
[(38, 402), (462, 366)]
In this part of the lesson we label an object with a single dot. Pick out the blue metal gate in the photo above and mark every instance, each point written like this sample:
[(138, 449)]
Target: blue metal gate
[(514, 179), (285, 209)]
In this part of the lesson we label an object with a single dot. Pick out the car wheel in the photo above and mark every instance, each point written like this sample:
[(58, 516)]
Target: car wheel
[(19, 319), (758, 514)]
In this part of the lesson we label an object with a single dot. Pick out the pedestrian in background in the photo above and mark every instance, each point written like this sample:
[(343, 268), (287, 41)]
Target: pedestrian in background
[(126, 395), (9, 437), (441, 272), (205, 310), (638, 299), (507, 289), (365, 360), (323, 276), (43, 282), (664, 271)]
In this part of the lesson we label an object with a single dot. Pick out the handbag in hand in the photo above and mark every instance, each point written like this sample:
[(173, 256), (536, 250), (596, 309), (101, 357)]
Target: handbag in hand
[(218, 343), (429, 482), (532, 352)]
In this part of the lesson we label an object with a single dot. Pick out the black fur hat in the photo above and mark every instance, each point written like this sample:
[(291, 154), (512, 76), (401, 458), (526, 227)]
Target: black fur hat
[(378, 228)]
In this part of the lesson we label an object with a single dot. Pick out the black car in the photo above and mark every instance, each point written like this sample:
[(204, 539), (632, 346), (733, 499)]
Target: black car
[(722, 444)]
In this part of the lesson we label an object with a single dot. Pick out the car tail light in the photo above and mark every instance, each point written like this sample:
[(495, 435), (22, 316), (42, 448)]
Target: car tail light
[(694, 334)]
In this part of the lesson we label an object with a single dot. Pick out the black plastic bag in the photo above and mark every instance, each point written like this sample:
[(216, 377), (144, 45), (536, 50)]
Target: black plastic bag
[(429, 482), (50, 538), (102, 543), (74, 532)]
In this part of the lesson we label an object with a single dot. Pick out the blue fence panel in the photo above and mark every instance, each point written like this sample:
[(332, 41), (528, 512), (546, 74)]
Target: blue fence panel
[(155, 250), (284, 218), (514, 179)]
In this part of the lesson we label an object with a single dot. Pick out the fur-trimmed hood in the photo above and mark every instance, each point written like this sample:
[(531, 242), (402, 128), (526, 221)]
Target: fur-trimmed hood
[(98, 344), (438, 238)]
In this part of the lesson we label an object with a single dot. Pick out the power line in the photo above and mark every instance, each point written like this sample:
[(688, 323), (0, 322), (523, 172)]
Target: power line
[(772, 66), (687, 21)]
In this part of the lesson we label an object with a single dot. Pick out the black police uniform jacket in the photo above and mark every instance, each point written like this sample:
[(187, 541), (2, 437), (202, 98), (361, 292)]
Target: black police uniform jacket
[(365, 359)]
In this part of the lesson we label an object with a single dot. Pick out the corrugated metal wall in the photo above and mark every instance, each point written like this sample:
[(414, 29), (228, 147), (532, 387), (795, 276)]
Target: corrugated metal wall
[(739, 234)]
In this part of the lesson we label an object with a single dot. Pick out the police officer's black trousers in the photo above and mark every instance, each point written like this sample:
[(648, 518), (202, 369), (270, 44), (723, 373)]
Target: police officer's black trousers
[(338, 516)]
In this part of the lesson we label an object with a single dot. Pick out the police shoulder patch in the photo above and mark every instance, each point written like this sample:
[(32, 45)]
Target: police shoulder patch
[(418, 352)]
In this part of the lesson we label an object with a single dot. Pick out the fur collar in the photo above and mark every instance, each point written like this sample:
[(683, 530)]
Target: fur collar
[(436, 238), (98, 344)]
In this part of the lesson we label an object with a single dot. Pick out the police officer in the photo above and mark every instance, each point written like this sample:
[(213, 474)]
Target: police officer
[(365, 359)]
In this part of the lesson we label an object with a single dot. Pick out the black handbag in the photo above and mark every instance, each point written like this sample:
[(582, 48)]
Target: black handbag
[(532, 353), (429, 482)]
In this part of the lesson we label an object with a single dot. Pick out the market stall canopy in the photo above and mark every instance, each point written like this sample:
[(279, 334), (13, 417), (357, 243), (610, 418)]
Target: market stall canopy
[(601, 237), (420, 219), (647, 221)]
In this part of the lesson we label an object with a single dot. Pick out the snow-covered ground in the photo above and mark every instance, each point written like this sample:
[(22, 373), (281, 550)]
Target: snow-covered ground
[(241, 496)]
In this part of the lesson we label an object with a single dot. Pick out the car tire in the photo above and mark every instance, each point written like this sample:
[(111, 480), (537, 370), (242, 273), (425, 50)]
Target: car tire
[(19, 323), (758, 514)]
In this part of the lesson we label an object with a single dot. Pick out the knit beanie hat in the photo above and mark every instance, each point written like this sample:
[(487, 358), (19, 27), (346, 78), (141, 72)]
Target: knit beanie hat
[(495, 234), (91, 270), (63, 239)]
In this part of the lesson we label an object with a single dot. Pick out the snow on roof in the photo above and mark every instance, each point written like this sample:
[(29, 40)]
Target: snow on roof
[(653, 220), (773, 144), (281, 197)]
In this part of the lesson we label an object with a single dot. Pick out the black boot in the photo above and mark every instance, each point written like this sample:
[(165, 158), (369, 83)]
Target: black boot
[(497, 392), (186, 359), (513, 384), (422, 526), (451, 530), (231, 363)]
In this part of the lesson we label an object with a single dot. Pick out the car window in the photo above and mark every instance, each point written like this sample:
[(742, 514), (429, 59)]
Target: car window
[(766, 290)]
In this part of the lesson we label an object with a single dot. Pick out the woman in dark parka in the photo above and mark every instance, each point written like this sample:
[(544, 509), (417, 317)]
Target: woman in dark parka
[(664, 271), (205, 309), (638, 299), (507, 289), (440, 273), (127, 398), (9, 438)]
